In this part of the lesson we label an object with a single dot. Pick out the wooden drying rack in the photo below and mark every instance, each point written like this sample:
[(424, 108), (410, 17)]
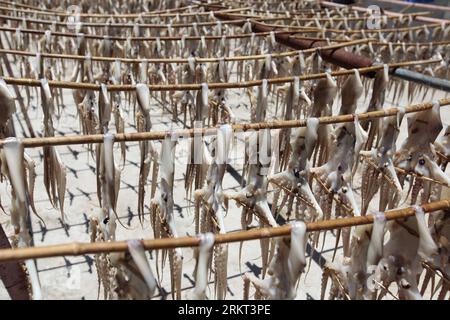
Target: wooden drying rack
[(20, 254)]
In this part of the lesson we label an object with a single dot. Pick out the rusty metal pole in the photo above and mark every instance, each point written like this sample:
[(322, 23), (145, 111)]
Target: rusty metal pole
[(338, 57), (13, 274)]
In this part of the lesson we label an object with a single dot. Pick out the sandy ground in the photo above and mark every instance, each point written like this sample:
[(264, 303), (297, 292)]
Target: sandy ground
[(75, 277)]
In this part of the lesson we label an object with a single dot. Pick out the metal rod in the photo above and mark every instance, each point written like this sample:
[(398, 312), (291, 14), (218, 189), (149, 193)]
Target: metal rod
[(390, 13), (76, 248), (437, 83), (427, 6), (346, 59), (339, 57)]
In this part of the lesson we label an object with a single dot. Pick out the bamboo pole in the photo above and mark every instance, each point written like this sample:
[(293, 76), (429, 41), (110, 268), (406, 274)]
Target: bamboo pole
[(200, 24), (218, 7), (184, 133), (26, 6), (403, 29), (121, 25), (318, 13), (218, 85), (76, 248), (183, 60), (120, 16), (163, 38), (420, 44)]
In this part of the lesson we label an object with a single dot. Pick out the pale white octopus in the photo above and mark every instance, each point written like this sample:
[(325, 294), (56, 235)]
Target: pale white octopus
[(210, 200), (162, 216), (285, 268)]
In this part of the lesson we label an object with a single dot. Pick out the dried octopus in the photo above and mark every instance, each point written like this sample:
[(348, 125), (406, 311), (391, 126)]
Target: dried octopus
[(162, 216), (209, 201), (286, 266), (123, 275), (13, 166), (253, 197), (417, 154)]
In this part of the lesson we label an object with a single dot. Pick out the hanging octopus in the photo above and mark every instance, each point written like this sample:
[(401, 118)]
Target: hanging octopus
[(162, 216)]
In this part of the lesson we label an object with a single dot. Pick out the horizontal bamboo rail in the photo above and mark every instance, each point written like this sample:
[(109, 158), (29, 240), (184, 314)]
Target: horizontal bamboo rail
[(275, 124), (195, 86), (76, 248), (200, 24), (411, 44), (403, 29), (119, 16), (115, 24), (163, 38), (334, 8), (315, 12), (150, 25), (168, 11), (26, 6), (308, 13), (183, 60)]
